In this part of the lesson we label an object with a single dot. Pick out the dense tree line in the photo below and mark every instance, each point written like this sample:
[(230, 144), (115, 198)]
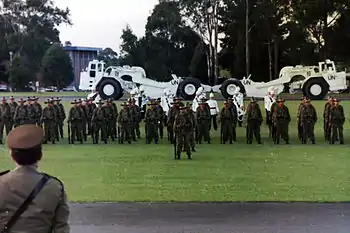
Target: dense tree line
[(256, 37)]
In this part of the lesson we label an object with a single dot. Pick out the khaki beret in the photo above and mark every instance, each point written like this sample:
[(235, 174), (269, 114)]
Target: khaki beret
[(25, 137)]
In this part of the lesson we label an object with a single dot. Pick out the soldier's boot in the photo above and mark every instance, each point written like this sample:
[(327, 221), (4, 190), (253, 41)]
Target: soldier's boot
[(53, 142), (313, 142), (277, 141), (193, 149), (189, 156), (105, 141), (129, 141), (45, 142), (178, 156), (341, 142), (287, 141), (231, 142)]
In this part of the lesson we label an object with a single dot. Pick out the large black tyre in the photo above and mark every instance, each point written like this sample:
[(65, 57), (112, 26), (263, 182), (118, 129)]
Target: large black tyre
[(187, 88), (110, 88), (315, 88), (229, 86)]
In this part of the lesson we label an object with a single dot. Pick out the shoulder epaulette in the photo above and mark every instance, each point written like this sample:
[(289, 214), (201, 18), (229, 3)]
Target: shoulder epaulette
[(4, 172), (58, 180)]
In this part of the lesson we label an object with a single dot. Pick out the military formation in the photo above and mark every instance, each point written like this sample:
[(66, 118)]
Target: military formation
[(185, 128)]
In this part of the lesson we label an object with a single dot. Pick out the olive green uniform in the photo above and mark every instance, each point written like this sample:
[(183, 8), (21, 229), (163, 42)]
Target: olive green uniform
[(326, 123), (109, 120), (21, 114), (308, 119), (5, 119), (151, 120), (299, 125), (13, 106), (75, 118), (173, 111), (98, 123), (281, 119), (183, 126), (48, 119), (336, 120), (125, 123), (254, 120), (203, 120), (226, 121)]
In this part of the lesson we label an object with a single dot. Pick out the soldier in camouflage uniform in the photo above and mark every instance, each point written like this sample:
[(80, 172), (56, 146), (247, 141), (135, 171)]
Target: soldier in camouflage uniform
[(31, 117), (125, 121), (109, 119), (233, 109), (273, 125), (300, 127), (136, 116), (183, 126), (326, 123), (226, 120), (38, 111), (21, 114), (254, 120), (162, 118), (91, 107), (56, 126), (115, 117), (308, 119), (13, 105), (336, 121), (75, 118), (194, 124), (151, 123), (48, 119), (61, 117), (98, 122), (281, 119), (203, 121), (5, 118), (173, 111), (83, 124)]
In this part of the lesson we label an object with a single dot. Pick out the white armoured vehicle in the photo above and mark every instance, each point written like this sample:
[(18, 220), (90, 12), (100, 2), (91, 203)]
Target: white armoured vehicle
[(111, 82)]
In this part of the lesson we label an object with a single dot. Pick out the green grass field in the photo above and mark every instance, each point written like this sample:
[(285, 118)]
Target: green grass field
[(238, 172), (44, 94)]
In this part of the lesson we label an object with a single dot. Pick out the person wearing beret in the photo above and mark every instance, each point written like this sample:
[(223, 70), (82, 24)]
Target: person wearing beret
[(281, 118), (326, 123), (308, 119), (300, 128), (173, 111), (5, 118), (74, 119), (31, 115), (49, 118), (61, 117), (38, 110), (48, 209), (336, 121), (21, 113), (152, 118), (13, 105), (203, 120), (98, 123), (254, 120), (124, 122)]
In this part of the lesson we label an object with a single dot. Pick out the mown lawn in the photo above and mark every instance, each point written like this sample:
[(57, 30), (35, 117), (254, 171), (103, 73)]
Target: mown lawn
[(217, 172)]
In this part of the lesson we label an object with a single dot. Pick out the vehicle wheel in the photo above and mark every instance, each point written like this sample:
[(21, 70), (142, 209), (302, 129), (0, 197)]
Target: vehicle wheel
[(315, 88), (187, 88), (229, 86), (109, 88)]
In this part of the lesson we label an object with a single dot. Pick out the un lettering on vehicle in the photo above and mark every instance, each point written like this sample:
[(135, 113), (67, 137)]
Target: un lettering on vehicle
[(331, 77)]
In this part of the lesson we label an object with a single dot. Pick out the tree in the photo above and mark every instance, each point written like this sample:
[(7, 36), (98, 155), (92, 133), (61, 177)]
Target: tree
[(19, 74), (109, 56), (57, 67)]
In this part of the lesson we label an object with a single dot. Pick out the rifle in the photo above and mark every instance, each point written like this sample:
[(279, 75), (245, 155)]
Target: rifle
[(69, 139)]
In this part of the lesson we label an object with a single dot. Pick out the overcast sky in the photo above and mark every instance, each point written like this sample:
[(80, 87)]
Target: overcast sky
[(99, 23)]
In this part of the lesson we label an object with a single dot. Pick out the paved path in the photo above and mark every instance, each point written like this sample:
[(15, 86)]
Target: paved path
[(210, 217)]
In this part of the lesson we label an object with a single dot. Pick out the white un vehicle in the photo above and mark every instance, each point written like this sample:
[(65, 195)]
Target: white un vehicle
[(112, 82)]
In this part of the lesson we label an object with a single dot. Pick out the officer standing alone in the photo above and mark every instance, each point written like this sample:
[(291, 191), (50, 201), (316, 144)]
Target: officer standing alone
[(49, 211)]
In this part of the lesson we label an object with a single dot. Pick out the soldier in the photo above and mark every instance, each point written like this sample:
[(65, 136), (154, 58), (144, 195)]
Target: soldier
[(326, 123), (56, 126), (91, 107), (83, 124), (162, 117), (308, 119), (227, 121), (281, 119), (109, 119), (13, 105), (151, 123), (48, 119), (98, 120), (31, 115), (38, 111), (21, 114), (299, 125), (272, 129), (336, 121), (136, 117), (5, 120), (115, 117), (125, 121), (194, 124), (254, 120), (233, 109), (75, 118), (61, 117), (214, 111), (182, 129), (203, 120), (25, 147), (173, 111)]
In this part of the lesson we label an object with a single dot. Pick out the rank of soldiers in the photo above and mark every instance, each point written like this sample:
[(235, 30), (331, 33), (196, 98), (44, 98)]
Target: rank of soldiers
[(185, 128)]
